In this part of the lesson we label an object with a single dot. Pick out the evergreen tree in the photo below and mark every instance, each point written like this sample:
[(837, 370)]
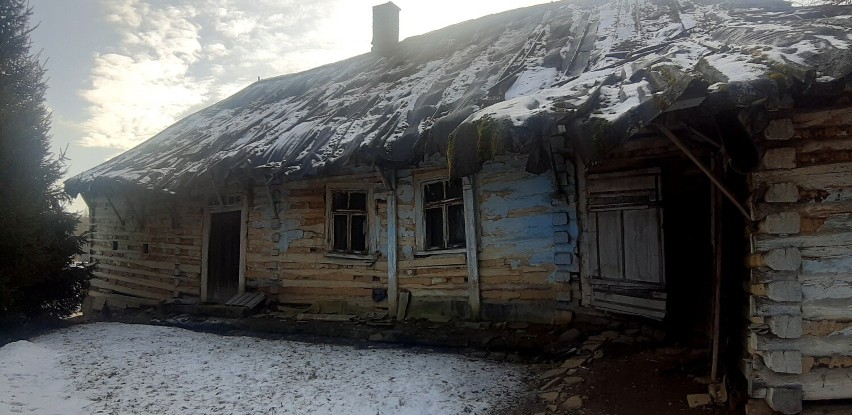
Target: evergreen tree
[(37, 238)]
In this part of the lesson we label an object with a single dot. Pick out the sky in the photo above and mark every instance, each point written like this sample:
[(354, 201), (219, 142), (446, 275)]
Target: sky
[(120, 71)]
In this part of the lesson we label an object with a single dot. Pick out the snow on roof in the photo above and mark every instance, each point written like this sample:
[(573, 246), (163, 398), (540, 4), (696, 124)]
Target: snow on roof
[(605, 68)]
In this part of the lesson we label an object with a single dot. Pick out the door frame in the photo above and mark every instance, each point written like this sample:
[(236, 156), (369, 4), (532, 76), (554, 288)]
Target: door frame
[(205, 242)]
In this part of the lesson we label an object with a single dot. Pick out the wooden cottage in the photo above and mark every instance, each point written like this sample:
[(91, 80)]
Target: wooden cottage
[(687, 162)]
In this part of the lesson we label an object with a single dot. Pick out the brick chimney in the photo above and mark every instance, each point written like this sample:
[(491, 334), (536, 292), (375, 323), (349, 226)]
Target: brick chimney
[(385, 28)]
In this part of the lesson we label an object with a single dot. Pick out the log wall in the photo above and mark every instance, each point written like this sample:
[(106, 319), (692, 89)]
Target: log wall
[(527, 239), (800, 308), (287, 256), (122, 228)]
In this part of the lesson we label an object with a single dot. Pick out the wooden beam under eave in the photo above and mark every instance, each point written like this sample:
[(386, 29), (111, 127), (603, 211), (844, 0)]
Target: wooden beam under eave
[(472, 247), (393, 277)]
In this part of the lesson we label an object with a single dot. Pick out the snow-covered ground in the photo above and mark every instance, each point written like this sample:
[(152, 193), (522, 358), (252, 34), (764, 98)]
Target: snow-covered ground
[(115, 368)]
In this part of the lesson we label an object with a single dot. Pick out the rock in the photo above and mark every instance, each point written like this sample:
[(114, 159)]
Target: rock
[(698, 399), (574, 402), (518, 325), (591, 346), (597, 338), (501, 356), (572, 380), (610, 334), (598, 354), (552, 408), (513, 358), (552, 373), (624, 340), (376, 337), (569, 336), (550, 384), (631, 332), (550, 396), (574, 362)]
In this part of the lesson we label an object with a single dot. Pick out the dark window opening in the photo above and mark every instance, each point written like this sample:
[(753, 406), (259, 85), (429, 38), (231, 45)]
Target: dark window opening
[(349, 222), (115, 245), (443, 215), (144, 248)]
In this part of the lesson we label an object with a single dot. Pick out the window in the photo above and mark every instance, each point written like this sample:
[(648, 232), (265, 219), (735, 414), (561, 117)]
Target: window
[(349, 229), (443, 215)]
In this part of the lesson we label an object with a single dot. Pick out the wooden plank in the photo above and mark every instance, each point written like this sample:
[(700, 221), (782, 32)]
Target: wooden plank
[(610, 244), (620, 308), (639, 302), (153, 284), (137, 301), (472, 246), (98, 283), (642, 246), (402, 309)]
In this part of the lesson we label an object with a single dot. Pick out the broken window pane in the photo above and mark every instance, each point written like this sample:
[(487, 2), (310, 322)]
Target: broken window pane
[(358, 201), (359, 233), (339, 200), (434, 218), (433, 192), (455, 224), (341, 225), (454, 189)]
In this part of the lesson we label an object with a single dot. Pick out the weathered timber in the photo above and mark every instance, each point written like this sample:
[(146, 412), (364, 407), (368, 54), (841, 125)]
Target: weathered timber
[(818, 384), (818, 346)]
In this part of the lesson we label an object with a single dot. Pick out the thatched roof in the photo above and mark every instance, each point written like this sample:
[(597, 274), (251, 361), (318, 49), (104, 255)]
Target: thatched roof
[(498, 84)]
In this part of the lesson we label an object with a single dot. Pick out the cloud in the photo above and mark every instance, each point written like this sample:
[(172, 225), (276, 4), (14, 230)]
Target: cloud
[(171, 59)]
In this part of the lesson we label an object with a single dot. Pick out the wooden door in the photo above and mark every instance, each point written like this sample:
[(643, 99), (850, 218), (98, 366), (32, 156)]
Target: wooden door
[(223, 256), (626, 243)]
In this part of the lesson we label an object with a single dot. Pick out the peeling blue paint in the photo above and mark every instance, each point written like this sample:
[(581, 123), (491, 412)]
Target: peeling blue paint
[(529, 237), (290, 233), (827, 265)]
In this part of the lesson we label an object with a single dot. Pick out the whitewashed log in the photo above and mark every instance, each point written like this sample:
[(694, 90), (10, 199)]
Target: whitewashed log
[(781, 223), (828, 309), (779, 158), (820, 176), (818, 384), (779, 129), (783, 361), (785, 327), (764, 307), (782, 193), (816, 346), (834, 239)]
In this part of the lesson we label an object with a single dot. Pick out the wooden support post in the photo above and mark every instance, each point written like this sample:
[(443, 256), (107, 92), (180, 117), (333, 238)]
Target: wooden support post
[(472, 246), (716, 241), (393, 280), (582, 210), (704, 169)]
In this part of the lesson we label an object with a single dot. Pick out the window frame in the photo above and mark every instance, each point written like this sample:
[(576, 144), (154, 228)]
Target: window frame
[(421, 181), (369, 224)]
